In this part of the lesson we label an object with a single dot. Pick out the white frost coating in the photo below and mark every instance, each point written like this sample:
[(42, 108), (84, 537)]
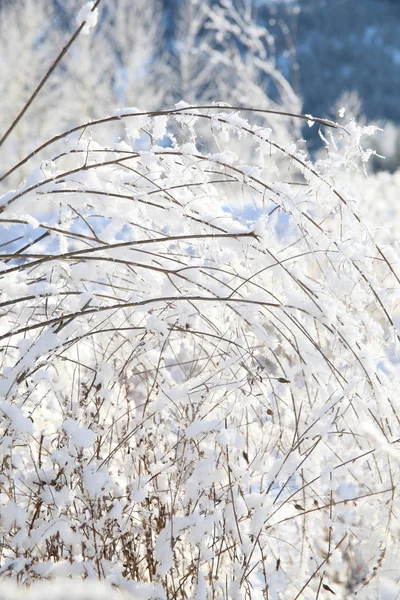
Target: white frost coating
[(310, 121), (81, 436), (251, 170), (200, 427), (163, 553), (201, 593), (16, 418), (156, 324), (95, 481), (120, 112), (372, 431), (182, 104), (62, 589), (227, 157), (12, 514), (89, 16)]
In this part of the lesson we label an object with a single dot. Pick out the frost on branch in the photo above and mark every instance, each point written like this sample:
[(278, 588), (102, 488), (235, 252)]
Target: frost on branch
[(199, 366), (89, 15)]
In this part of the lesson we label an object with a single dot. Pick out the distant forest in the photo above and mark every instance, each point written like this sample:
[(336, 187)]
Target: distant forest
[(341, 46)]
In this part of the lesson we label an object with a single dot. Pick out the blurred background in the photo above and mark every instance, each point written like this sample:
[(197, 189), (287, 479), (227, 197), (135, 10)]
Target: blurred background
[(310, 56)]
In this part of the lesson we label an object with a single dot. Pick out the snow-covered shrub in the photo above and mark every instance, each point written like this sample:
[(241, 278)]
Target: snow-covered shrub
[(199, 384)]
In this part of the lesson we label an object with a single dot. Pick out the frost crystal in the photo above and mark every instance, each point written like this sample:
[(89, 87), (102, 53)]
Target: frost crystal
[(89, 16)]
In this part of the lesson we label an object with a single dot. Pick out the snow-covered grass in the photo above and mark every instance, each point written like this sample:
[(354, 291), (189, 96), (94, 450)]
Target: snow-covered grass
[(191, 399), (63, 589), (196, 403)]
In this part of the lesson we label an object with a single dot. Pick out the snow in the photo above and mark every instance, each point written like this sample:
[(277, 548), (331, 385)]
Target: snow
[(62, 589), (80, 436), (198, 428), (89, 15)]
